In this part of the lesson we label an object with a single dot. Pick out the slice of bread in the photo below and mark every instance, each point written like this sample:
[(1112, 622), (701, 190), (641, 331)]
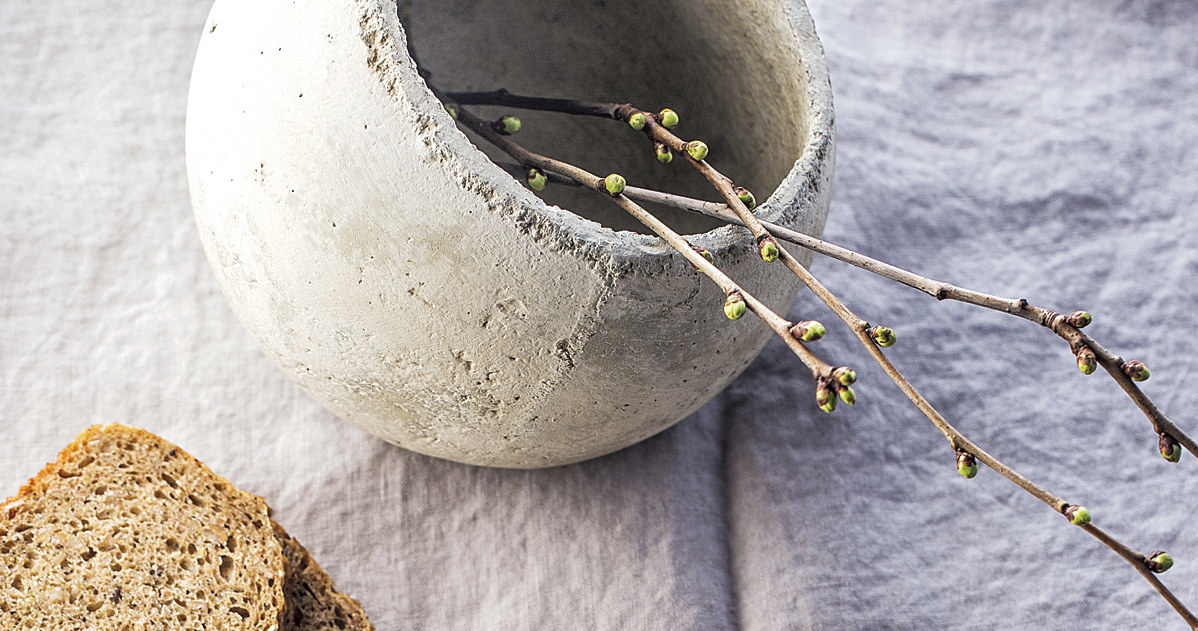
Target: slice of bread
[(312, 600), (126, 532)]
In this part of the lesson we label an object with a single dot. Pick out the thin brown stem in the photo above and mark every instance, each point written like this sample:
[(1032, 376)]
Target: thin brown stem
[(1138, 562), (1112, 363), (780, 326), (507, 99)]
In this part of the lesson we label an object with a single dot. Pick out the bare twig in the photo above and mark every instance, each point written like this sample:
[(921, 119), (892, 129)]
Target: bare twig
[(957, 441), (779, 325), (1112, 363)]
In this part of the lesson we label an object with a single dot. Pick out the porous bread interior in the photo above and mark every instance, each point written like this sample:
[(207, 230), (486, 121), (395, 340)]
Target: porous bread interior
[(126, 531), (312, 600)]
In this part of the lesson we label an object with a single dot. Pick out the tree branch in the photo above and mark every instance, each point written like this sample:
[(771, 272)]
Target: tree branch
[(958, 441), (1113, 364)]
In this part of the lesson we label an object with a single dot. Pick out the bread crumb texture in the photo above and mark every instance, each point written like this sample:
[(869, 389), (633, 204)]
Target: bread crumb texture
[(125, 531)]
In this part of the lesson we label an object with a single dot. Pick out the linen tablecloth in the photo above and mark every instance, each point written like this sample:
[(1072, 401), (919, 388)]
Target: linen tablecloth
[(1030, 149)]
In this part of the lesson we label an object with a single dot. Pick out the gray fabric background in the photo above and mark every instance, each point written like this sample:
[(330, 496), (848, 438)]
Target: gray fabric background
[(1037, 149)]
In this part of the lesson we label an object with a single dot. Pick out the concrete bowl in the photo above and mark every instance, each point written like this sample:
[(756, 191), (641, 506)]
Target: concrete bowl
[(417, 290)]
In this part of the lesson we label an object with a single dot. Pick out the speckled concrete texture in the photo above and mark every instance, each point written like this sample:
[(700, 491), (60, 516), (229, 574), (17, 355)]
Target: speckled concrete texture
[(417, 290)]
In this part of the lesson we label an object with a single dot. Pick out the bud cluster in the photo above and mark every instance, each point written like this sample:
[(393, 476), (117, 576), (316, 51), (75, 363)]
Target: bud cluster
[(836, 386)]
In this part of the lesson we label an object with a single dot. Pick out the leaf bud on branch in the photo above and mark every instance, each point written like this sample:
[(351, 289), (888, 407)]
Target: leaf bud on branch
[(1159, 562), (746, 197), (845, 376), (809, 331), (1136, 370), (663, 153), (1086, 361), (825, 398), (1077, 515), (705, 253), (537, 179), (734, 306), (883, 335), (1170, 448), (768, 249), (668, 118), (506, 125), (1080, 319), (967, 465), (614, 184), (845, 393)]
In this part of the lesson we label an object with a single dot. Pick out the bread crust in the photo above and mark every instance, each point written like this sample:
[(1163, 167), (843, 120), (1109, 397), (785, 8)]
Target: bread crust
[(313, 602)]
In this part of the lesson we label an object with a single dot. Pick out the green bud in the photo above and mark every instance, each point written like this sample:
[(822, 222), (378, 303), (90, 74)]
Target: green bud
[(825, 398), (664, 155), (884, 336), (845, 376), (1159, 561), (668, 118), (1170, 448), (637, 121), (696, 149), (1079, 319), (746, 197), (1136, 370), (1077, 515), (734, 306), (537, 179), (614, 184), (1086, 362), (808, 331), (769, 251), (847, 395), (705, 253), (967, 465), (452, 108), (507, 125)]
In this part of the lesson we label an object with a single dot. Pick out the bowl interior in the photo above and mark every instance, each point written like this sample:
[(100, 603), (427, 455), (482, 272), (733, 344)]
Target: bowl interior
[(731, 70)]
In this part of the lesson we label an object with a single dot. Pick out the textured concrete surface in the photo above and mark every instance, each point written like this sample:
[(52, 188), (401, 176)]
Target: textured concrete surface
[(420, 292)]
